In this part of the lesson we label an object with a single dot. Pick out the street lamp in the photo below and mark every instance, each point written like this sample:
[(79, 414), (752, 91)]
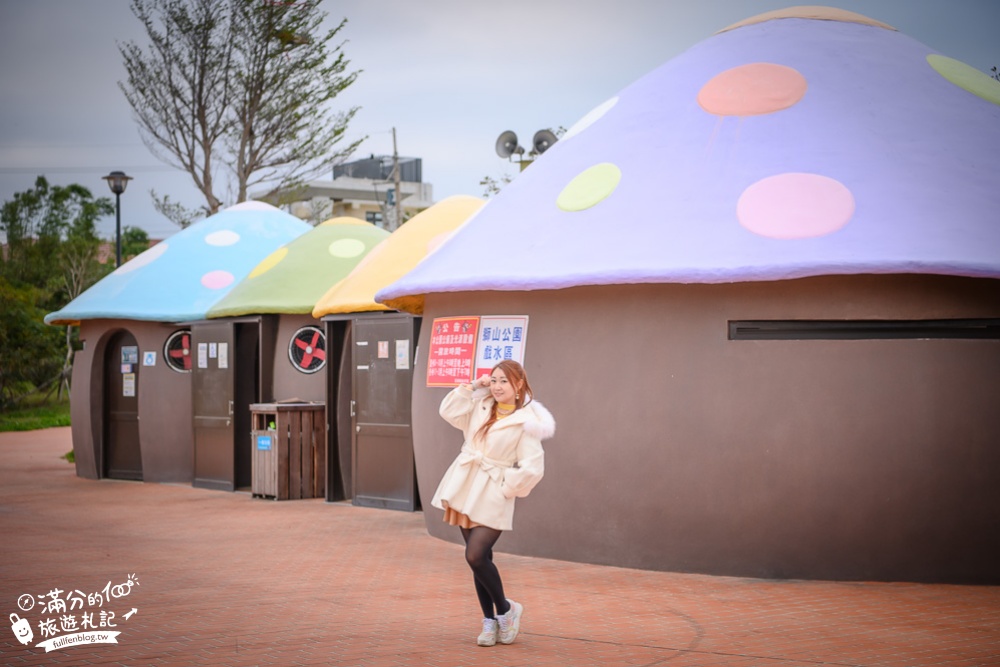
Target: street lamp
[(117, 180)]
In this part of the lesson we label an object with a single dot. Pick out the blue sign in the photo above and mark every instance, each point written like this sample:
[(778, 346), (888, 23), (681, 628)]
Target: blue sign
[(263, 442)]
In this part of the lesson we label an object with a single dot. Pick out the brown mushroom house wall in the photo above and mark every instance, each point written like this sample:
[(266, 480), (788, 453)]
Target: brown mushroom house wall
[(679, 449)]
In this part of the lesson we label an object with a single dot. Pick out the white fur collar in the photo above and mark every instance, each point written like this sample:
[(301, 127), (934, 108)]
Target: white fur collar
[(543, 425), (538, 421)]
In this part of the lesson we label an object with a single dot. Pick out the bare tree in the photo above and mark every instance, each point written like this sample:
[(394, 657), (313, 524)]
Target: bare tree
[(180, 91), (285, 131), (238, 91), (81, 269), (174, 211)]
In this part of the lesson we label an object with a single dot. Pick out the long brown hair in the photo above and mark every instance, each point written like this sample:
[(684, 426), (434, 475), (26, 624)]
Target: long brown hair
[(522, 390)]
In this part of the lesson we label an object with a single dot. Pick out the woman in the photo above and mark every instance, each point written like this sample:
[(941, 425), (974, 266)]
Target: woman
[(501, 459)]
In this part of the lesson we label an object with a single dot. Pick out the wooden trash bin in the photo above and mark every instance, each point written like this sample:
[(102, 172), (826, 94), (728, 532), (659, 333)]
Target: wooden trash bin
[(289, 450)]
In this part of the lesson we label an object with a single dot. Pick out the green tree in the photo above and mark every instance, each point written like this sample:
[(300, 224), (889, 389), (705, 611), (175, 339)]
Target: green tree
[(29, 350), (51, 259), (135, 241), (80, 269), (34, 222), (242, 87), (38, 224)]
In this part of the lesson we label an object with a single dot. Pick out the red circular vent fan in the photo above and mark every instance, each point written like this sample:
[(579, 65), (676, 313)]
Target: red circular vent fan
[(307, 350), (177, 351)]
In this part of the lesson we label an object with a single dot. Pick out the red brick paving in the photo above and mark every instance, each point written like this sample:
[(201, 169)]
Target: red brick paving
[(225, 579)]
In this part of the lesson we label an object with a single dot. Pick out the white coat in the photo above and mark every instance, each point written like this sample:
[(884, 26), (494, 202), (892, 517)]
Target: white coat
[(486, 477)]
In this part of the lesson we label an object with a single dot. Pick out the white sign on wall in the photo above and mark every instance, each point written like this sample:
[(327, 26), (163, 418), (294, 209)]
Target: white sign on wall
[(128, 384), (500, 337), (402, 355)]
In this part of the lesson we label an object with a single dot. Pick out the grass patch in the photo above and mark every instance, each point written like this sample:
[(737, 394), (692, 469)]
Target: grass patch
[(35, 414)]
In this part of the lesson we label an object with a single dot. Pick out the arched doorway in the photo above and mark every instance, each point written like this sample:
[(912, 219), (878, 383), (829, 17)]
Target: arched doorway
[(122, 456)]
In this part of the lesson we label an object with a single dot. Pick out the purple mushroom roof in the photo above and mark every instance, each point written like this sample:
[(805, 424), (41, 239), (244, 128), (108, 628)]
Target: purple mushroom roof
[(778, 149)]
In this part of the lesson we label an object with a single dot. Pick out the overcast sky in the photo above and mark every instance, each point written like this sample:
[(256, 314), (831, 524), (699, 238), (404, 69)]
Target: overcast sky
[(449, 75)]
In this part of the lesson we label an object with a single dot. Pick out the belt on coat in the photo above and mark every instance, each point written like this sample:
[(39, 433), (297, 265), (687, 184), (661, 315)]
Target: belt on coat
[(492, 467)]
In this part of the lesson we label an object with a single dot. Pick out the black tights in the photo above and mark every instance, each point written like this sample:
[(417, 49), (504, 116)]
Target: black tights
[(479, 543)]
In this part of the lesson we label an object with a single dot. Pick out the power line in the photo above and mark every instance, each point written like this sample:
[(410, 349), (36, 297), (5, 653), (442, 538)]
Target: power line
[(79, 170), (71, 144)]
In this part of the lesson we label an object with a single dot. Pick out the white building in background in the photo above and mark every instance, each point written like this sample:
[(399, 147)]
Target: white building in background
[(361, 189)]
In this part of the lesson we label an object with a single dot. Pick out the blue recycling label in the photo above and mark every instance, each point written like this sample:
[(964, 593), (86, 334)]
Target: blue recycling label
[(263, 442)]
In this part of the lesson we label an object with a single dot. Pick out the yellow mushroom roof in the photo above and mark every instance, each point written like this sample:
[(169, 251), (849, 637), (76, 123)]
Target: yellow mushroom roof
[(396, 256), (817, 12)]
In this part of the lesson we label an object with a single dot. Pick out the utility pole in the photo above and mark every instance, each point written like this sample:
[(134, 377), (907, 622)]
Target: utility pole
[(395, 175)]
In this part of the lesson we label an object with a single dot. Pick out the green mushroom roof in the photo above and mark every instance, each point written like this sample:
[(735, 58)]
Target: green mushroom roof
[(295, 276)]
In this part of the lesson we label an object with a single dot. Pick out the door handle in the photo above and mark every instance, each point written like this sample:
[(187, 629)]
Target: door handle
[(353, 413), (230, 408)]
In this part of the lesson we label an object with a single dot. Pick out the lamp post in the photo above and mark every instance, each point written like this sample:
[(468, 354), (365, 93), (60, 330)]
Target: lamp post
[(117, 180)]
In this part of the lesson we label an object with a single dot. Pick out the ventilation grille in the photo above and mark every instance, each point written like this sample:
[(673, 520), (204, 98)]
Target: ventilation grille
[(863, 329)]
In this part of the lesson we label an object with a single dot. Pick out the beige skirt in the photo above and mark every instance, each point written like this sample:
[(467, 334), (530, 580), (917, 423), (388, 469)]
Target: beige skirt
[(453, 518)]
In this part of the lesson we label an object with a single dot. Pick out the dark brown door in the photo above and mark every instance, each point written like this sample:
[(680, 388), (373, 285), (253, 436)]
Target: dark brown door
[(384, 473), (214, 394), (246, 366), (339, 364), (122, 454)]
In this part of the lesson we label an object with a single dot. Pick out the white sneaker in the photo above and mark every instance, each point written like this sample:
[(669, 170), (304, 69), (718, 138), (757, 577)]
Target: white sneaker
[(510, 622), (491, 630)]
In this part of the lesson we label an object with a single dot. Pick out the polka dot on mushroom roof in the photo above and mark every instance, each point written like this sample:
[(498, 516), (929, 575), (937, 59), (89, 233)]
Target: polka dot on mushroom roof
[(181, 277), (811, 142), (294, 277), (405, 247)]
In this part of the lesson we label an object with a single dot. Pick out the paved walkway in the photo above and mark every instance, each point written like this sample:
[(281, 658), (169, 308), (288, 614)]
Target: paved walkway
[(225, 579)]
